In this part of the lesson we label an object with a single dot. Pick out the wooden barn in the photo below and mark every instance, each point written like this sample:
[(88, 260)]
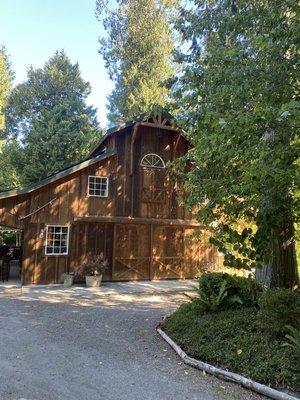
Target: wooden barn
[(119, 201)]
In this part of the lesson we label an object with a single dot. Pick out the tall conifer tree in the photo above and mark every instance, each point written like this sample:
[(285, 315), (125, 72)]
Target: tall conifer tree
[(6, 79), (9, 176), (138, 54), (49, 115)]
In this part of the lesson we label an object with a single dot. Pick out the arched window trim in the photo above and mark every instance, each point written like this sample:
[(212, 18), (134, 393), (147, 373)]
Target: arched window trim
[(161, 164)]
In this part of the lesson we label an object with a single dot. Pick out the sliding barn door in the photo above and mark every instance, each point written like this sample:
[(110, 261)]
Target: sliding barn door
[(168, 252), (131, 252), (88, 239)]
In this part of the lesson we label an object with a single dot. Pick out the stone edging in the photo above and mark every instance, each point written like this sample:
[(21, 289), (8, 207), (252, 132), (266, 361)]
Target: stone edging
[(223, 374)]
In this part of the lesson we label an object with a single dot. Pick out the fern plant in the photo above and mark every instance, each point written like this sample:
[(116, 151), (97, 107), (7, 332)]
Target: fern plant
[(293, 341), (293, 338), (214, 301)]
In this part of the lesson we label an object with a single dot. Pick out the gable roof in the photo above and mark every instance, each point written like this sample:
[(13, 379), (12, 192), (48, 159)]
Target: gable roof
[(57, 175), (90, 160), (140, 118)]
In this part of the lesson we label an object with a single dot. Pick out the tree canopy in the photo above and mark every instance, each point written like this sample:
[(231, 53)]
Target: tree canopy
[(6, 79), (11, 163), (49, 116), (138, 55), (239, 96)]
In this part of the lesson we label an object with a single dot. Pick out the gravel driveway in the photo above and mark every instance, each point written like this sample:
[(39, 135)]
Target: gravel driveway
[(76, 344)]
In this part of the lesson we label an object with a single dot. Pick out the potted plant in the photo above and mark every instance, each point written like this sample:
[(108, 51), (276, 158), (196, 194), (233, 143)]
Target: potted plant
[(68, 278), (93, 269)]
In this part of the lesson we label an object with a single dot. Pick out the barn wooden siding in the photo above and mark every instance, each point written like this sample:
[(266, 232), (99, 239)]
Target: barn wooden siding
[(140, 227)]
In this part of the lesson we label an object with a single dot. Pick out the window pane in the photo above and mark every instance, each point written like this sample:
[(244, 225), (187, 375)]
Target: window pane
[(98, 186), (57, 240), (152, 160)]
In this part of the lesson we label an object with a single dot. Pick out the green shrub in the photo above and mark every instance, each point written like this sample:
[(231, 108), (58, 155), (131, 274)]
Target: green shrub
[(293, 338), (217, 301), (230, 339), (293, 341), (240, 291), (278, 308)]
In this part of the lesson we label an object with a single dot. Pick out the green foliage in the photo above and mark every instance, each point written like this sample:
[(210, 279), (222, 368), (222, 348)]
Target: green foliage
[(239, 97), (8, 237), (49, 117), (293, 341), (293, 338), (6, 79), (279, 308), (239, 291), (10, 164), (214, 301), (138, 55), (231, 339)]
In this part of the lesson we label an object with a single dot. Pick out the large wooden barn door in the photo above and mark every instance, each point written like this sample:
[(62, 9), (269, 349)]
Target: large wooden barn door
[(168, 252), (89, 239), (175, 253), (131, 252)]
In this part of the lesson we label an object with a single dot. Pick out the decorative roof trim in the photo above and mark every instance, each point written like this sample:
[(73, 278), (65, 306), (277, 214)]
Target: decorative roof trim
[(139, 119), (58, 175)]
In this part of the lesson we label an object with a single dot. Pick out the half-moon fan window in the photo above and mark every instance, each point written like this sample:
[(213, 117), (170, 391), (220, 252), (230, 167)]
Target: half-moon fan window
[(153, 161)]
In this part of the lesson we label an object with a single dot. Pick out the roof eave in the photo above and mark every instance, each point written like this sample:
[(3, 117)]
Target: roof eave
[(57, 176)]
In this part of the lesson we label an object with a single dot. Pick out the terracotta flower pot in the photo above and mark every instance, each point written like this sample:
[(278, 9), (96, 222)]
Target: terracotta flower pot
[(93, 281)]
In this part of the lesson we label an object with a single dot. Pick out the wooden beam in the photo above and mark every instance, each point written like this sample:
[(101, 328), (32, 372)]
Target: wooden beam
[(177, 142), (160, 126), (138, 220), (133, 137)]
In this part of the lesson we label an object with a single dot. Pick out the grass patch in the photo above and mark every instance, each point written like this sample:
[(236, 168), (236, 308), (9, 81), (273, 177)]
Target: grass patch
[(233, 339)]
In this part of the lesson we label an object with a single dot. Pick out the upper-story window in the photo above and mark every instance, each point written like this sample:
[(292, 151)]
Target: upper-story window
[(98, 186), (153, 161)]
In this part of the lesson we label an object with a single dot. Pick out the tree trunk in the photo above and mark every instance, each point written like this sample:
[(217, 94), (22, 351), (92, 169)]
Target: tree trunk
[(281, 270)]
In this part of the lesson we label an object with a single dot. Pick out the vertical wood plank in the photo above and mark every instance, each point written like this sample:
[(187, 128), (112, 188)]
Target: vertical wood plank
[(113, 252), (151, 252)]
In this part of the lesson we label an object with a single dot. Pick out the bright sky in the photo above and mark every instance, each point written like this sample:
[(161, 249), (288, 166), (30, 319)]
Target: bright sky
[(32, 30)]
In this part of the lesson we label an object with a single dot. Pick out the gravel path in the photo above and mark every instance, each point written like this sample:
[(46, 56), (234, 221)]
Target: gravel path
[(58, 345)]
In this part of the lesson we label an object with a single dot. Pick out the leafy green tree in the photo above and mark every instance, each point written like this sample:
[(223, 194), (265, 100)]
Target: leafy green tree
[(8, 173), (48, 114), (138, 55), (11, 163), (240, 101), (6, 79)]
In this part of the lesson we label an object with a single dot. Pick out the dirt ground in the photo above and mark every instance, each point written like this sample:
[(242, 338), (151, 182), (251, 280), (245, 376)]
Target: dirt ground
[(78, 343)]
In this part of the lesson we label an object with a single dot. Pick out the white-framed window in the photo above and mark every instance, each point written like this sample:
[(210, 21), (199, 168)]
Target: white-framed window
[(57, 240), (153, 161), (98, 186)]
